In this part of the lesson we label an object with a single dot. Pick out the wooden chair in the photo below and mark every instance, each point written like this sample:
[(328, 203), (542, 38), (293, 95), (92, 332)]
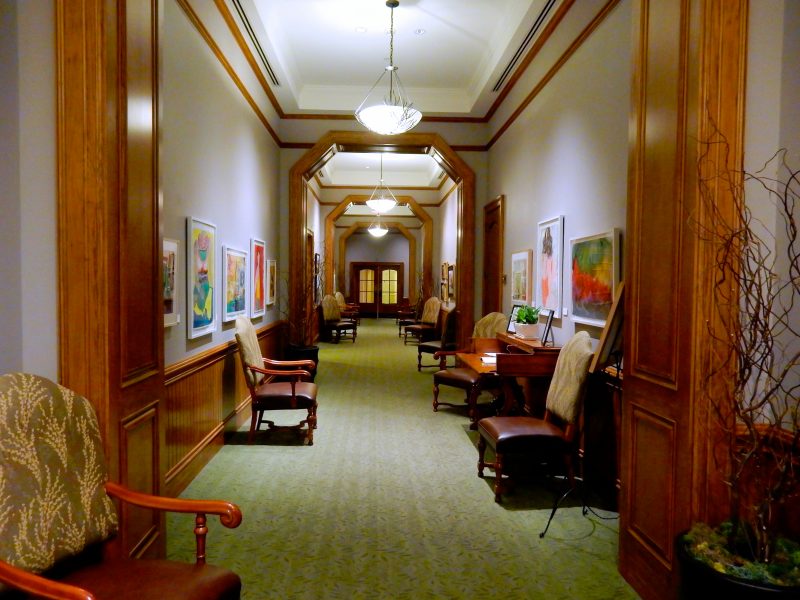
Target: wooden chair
[(446, 342), (348, 311), (58, 515), (550, 440), (275, 384), (425, 328), (483, 340), (334, 326), (408, 315)]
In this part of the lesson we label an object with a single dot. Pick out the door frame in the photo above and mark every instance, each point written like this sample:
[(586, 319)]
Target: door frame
[(355, 266)]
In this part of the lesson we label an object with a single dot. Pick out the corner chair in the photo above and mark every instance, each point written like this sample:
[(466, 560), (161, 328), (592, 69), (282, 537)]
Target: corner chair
[(58, 517)]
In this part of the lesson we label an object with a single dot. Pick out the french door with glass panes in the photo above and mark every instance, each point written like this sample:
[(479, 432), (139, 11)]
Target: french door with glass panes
[(376, 287)]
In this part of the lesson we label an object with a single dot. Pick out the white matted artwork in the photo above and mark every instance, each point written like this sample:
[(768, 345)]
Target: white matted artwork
[(595, 264), (521, 277), (549, 264), (201, 283), (235, 278), (169, 277)]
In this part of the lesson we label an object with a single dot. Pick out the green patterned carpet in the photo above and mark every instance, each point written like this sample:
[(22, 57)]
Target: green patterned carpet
[(387, 503)]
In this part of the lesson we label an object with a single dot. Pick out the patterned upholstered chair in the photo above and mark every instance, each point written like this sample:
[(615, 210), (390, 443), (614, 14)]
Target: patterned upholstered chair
[(334, 326), (348, 312), (552, 439), (425, 328), (275, 384), (56, 508), (483, 340)]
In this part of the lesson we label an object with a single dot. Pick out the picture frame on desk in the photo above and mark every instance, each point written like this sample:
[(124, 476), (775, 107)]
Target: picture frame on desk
[(512, 319), (546, 321)]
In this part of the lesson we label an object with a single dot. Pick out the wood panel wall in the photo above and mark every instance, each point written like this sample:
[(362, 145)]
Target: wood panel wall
[(206, 397)]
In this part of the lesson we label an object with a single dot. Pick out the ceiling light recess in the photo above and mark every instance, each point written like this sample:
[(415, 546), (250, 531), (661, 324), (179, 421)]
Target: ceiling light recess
[(377, 229), (382, 199), (393, 112)]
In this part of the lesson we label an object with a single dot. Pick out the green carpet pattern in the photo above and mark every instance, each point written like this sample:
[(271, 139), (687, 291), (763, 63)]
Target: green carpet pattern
[(387, 503)]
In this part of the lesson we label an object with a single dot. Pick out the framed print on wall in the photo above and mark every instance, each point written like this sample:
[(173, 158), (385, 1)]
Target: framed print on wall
[(169, 276), (235, 277), (549, 263), (258, 277), (521, 277), (272, 281), (201, 239), (595, 275)]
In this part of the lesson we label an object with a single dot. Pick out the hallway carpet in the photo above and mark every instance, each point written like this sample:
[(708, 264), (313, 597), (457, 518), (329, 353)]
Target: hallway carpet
[(387, 503)]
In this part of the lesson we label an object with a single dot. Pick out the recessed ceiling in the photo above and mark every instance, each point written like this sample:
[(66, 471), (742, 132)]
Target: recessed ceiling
[(326, 54), (399, 170)]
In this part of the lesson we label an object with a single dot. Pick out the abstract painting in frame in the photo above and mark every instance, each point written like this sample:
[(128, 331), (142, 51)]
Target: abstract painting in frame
[(235, 277), (521, 277), (201, 260), (595, 275), (549, 262), (272, 281), (258, 277), (169, 276)]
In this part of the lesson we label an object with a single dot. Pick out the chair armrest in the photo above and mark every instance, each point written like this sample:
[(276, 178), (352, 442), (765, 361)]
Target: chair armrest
[(442, 353), (39, 586), (308, 365), (229, 514), (298, 373)]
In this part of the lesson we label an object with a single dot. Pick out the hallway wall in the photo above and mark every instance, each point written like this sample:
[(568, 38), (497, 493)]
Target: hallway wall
[(567, 153)]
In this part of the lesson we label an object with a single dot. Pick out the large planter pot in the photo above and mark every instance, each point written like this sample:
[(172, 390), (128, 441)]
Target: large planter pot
[(701, 581), (526, 331)]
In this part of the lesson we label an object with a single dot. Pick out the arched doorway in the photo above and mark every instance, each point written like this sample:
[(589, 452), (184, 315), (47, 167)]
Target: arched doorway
[(354, 141)]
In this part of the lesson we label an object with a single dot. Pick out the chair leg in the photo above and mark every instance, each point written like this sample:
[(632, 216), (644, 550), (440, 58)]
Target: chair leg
[(255, 417), (498, 476), (481, 455), (435, 397), (472, 404), (312, 425), (419, 360)]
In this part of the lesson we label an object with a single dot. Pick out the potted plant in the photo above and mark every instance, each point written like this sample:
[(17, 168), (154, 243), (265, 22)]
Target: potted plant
[(526, 322), (753, 381)]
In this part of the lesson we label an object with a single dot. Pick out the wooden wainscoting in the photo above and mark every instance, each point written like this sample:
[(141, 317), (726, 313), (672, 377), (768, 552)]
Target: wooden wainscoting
[(205, 396)]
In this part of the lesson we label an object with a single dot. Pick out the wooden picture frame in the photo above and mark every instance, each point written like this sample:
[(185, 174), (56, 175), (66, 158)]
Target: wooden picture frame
[(234, 271), (595, 261), (521, 277), (258, 277), (169, 279), (272, 281), (610, 344), (201, 277), (550, 264), (451, 282)]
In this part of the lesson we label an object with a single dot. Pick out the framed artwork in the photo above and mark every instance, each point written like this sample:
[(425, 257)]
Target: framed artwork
[(595, 275), (443, 291), (451, 282), (546, 325), (201, 260), (272, 281), (235, 277), (549, 263), (258, 278), (169, 275), (512, 319), (521, 277)]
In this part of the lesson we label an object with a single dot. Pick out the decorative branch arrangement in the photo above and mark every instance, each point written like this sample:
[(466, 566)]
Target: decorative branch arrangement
[(753, 386)]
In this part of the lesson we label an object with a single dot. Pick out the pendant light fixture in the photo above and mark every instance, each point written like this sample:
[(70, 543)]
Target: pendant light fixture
[(393, 112), (377, 229), (382, 199)]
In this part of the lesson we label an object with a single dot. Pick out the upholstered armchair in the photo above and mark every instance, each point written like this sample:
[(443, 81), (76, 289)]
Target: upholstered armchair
[(334, 326), (425, 328), (57, 513), (275, 384), (447, 341)]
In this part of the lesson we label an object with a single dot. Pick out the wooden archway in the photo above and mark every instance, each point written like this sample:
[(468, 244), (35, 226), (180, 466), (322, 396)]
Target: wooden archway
[(404, 231), (431, 143), (427, 242)]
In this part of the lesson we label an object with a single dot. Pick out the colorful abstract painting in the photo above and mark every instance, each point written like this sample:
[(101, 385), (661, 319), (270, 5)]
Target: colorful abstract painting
[(272, 281), (549, 264), (235, 299), (521, 277), (258, 279), (595, 274), (201, 273), (169, 274)]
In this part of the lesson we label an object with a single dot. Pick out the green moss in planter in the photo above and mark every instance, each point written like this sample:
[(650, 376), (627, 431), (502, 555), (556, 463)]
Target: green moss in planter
[(708, 545)]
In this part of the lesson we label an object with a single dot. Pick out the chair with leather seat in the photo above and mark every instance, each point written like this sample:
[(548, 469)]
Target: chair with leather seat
[(425, 328), (347, 311), (275, 384), (334, 326), (483, 340), (57, 517), (446, 342), (551, 440), (408, 315)]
